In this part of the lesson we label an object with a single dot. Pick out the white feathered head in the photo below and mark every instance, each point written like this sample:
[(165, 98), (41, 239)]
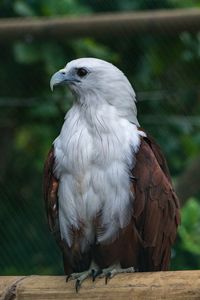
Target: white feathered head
[(95, 81)]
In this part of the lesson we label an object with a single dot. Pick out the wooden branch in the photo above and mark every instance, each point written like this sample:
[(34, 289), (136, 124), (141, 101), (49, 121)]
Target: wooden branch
[(157, 285), (117, 24)]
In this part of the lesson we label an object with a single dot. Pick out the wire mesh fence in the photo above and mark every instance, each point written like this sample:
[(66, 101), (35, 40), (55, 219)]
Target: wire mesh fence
[(164, 70)]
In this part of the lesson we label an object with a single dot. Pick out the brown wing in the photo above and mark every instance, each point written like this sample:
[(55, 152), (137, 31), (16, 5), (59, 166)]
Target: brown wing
[(50, 187), (156, 207), (159, 156)]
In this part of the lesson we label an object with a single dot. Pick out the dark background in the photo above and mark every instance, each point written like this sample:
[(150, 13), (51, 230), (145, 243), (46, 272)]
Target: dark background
[(164, 70)]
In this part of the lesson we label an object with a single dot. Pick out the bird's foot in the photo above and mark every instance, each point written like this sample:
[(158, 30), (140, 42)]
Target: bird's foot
[(95, 272), (80, 277), (110, 272)]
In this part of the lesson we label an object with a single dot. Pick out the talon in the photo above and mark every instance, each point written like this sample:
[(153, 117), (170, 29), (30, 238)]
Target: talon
[(95, 273), (82, 276), (111, 271), (67, 278), (78, 285), (108, 275)]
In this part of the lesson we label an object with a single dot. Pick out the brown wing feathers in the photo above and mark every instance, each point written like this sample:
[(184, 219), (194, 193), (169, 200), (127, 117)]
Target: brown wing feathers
[(50, 191), (156, 207)]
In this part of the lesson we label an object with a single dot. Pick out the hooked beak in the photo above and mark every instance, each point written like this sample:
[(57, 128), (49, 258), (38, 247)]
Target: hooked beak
[(61, 77)]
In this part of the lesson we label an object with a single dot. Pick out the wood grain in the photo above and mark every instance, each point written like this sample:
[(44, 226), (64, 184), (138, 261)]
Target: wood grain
[(157, 285)]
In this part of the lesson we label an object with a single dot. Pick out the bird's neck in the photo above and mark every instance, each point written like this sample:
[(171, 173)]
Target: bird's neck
[(94, 105), (97, 117)]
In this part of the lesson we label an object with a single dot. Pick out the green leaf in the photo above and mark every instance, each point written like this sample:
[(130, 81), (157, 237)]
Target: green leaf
[(189, 230)]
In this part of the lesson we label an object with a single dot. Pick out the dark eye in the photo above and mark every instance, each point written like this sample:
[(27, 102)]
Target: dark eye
[(82, 72)]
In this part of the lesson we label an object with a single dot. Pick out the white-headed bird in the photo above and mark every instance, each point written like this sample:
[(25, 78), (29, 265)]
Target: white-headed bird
[(109, 198)]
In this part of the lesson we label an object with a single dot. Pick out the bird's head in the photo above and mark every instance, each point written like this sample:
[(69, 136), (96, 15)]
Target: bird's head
[(95, 81)]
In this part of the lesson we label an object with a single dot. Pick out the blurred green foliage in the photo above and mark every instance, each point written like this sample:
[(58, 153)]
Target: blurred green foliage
[(190, 229), (187, 251), (164, 71)]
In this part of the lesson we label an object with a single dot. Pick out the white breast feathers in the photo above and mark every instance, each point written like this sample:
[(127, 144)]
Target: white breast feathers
[(94, 154)]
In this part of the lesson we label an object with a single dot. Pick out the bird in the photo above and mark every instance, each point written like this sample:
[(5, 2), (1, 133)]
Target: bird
[(109, 198)]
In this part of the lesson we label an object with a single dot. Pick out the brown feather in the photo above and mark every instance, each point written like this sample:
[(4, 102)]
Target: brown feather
[(50, 187), (160, 215)]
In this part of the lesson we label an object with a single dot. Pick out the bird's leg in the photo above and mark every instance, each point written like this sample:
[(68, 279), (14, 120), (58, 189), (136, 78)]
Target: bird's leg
[(92, 272), (110, 272)]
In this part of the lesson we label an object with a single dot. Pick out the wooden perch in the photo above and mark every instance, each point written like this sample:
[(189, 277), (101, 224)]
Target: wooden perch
[(118, 24), (157, 285)]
